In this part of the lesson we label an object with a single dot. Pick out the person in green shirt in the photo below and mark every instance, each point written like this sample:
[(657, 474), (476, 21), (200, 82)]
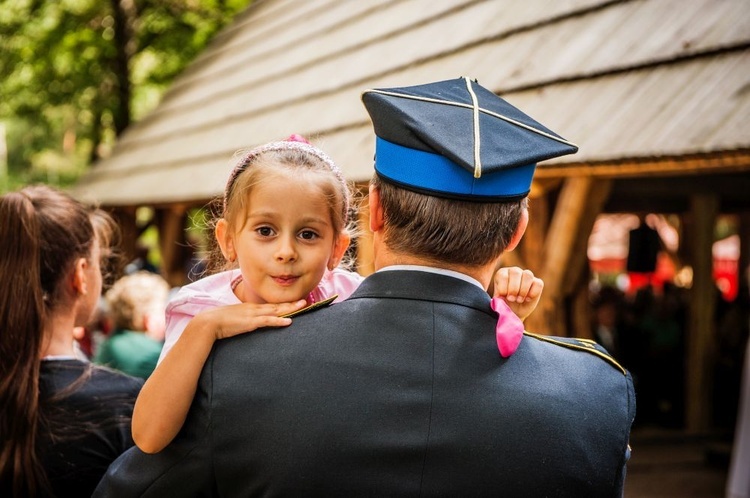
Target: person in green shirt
[(136, 303)]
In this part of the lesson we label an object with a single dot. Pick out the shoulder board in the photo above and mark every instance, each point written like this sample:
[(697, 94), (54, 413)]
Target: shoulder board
[(314, 306), (581, 345)]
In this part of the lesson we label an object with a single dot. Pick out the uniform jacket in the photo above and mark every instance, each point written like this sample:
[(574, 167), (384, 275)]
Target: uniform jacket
[(397, 391)]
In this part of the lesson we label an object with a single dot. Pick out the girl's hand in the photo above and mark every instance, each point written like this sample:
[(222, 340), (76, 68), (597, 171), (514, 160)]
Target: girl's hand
[(228, 321), (519, 288)]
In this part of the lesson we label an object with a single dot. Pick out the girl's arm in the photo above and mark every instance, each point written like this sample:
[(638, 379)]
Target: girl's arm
[(520, 289), (165, 399)]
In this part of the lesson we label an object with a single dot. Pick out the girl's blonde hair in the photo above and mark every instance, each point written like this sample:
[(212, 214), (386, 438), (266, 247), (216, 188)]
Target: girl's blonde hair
[(294, 154)]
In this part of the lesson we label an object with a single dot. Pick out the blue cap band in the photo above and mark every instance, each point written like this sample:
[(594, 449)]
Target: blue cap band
[(432, 173)]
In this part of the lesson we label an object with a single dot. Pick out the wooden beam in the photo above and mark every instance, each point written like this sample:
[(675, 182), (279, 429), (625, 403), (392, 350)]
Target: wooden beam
[(698, 164), (125, 219), (671, 194), (171, 242), (532, 249), (532, 244), (700, 340), (578, 262), (744, 232), (365, 253), (576, 280), (542, 187), (580, 314), (560, 242), (734, 185)]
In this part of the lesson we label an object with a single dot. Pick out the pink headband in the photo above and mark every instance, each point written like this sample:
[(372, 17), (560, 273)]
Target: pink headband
[(296, 143)]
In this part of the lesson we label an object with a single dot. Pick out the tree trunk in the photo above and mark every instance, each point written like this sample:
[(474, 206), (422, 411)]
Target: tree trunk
[(96, 134), (124, 14)]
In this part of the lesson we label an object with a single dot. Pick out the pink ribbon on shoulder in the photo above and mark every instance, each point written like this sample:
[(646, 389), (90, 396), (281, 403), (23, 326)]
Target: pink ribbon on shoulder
[(509, 329)]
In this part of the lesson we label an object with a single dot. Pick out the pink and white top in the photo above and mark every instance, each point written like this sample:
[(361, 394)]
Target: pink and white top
[(216, 290)]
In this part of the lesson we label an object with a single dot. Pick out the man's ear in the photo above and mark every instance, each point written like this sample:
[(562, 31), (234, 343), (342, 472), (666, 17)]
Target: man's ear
[(376, 209), (225, 240), (520, 230), (339, 248)]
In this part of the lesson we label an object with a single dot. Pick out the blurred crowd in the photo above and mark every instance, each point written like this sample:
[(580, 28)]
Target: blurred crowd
[(647, 331)]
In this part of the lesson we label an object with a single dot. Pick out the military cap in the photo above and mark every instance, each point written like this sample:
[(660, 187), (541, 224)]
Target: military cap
[(458, 140)]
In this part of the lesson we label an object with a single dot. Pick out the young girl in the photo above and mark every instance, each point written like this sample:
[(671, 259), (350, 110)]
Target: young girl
[(284, 223)]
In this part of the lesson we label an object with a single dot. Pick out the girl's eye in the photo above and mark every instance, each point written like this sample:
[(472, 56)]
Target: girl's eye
[(308, 235), (264, 231)]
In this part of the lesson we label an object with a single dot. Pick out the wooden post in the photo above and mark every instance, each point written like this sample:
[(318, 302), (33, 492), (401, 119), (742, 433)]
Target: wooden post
[(125, 219), (580, 313), (576, 282), (744, 262), (532, 248), (700, 351), (532, 244), (577, 270), (580, 201), (171, 241), (365, 253)]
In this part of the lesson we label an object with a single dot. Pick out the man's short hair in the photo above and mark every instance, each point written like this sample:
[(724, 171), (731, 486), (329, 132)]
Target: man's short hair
[(445, 230)]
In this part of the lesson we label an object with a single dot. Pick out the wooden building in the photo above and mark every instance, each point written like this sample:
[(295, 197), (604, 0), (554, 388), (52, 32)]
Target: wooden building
[(655, 92)]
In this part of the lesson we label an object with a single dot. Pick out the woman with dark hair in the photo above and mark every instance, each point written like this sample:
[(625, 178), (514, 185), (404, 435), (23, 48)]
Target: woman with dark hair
[(63, 420)]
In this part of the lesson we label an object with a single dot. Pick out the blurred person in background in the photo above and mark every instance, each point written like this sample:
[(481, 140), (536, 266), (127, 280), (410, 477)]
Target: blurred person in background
[(136, 304)]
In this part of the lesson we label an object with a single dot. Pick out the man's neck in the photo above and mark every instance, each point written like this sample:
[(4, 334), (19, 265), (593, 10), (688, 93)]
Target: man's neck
[(483, 274)]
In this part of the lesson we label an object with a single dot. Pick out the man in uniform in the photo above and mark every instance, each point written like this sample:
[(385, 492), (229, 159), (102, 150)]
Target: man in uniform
[(419, 384)]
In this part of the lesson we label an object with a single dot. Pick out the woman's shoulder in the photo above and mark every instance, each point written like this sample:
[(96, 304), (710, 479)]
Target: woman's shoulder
[(84, 380), (113, 384), (109, 377)]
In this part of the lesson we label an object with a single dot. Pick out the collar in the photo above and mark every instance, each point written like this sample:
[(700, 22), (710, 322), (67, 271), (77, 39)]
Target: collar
[(60, 357), (439, 271)]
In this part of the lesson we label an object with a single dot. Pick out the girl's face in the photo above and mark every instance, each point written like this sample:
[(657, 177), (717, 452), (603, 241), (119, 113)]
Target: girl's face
[(286, 240)]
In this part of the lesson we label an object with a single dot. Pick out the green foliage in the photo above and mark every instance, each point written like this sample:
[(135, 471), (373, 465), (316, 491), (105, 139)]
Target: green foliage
[(74, 72)]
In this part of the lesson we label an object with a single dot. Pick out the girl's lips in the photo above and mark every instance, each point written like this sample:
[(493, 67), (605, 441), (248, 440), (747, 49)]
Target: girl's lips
[(285, 280)]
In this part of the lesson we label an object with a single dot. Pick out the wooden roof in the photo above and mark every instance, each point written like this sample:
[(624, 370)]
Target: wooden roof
[(639, 85)]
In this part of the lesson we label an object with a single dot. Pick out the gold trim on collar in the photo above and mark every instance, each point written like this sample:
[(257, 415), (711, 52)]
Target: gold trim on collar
[(313, 306)]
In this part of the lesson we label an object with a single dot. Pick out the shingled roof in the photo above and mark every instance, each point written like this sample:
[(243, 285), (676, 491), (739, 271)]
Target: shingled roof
[(627, 81)]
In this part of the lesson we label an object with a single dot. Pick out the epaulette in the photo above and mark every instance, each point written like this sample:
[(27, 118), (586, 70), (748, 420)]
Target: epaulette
[(312, 307), (581, 345)]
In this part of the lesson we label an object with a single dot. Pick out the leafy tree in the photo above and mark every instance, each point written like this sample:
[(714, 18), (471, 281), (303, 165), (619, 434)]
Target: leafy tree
[(75, 73)]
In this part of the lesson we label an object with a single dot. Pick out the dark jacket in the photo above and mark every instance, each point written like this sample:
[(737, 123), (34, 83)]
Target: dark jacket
[(397, 391), (86, 413)]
